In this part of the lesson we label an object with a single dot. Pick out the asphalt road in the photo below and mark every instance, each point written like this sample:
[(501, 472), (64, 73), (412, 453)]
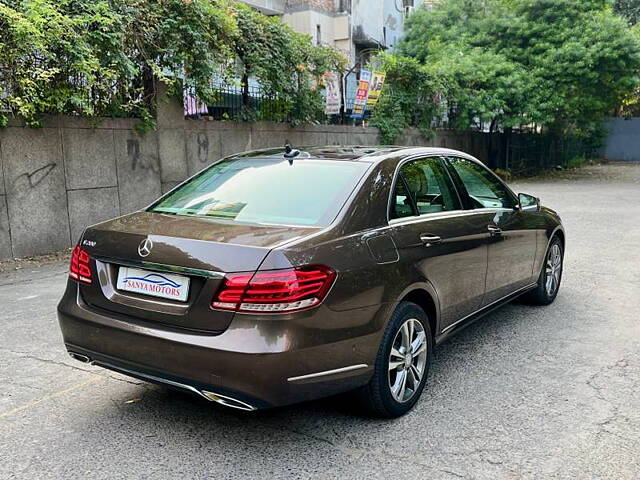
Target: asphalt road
[(526, 393)]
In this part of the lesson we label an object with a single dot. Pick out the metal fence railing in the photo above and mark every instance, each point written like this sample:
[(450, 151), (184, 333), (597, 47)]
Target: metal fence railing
[(530, 152), (229, 102)]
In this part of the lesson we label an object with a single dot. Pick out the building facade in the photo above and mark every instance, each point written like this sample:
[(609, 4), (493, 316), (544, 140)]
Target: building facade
[(355, 27)]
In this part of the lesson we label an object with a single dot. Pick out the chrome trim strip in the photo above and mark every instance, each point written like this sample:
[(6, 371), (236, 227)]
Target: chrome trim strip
[(327, 372), (532, 208), (448, 214), (161, 267), (528, 287), (153, 378), (207, 395)]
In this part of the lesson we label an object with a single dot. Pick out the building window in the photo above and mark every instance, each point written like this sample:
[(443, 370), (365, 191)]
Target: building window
[(318, 35)]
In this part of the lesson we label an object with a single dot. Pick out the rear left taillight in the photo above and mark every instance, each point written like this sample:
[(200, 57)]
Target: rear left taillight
[(275, 291), (80, 267)]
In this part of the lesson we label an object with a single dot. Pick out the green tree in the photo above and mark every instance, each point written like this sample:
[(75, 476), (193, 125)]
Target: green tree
[(411, 97), (561, 64)]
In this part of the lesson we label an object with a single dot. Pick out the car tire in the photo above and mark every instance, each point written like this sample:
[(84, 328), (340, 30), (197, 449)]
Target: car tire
[(550, 278), (385, 395)]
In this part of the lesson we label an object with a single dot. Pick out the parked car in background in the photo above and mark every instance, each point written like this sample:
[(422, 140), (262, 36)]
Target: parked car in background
[(279, 276)]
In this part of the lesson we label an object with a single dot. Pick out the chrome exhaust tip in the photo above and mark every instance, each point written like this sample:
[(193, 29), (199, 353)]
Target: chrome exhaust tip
[(79, 357), (227, 401), (211, 396)]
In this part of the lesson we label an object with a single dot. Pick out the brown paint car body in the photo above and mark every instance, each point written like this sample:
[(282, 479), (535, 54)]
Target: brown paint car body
[(254, 361)]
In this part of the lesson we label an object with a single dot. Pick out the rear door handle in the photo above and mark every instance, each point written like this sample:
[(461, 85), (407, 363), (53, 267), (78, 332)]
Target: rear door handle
[(493, 230), (430, 240)]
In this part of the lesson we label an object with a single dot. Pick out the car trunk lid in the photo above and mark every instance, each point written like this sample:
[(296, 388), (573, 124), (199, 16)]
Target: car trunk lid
[(161, 246)]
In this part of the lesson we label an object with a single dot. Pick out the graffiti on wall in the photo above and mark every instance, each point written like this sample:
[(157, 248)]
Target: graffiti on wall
[(37, 176), (138, 159)]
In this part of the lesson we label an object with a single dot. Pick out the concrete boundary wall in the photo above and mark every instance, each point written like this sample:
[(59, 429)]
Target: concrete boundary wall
[(74, 172)]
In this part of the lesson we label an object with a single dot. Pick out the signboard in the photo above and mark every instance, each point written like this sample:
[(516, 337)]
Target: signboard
[(350, 90), (362, 94), (377, 82), (332, 88)]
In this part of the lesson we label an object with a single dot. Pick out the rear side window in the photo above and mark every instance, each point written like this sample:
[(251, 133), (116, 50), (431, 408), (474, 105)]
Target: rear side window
[(401, 204), (267, 190), (423, 186)]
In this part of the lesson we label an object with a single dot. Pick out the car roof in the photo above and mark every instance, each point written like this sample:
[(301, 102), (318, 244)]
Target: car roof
[(352, 152)]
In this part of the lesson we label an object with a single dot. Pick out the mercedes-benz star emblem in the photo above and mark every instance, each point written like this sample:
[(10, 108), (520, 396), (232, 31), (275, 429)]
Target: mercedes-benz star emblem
[(144, 249)]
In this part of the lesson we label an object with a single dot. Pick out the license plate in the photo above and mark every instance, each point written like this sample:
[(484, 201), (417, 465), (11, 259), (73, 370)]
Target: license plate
[(164, 285)]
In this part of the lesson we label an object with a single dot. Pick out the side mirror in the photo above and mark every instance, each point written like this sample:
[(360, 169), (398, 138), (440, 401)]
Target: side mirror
[(528, 202)]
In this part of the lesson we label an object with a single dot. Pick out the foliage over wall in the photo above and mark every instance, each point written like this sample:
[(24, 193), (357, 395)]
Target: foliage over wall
[(559, 65), (286, 64), (105, 57)]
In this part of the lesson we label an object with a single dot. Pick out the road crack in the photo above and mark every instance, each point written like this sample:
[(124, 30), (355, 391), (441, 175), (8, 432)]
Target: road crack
[(359, 453), (615, 415)]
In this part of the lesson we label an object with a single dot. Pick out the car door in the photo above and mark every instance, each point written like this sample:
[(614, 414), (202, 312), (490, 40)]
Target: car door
[(437, 238), (512, 238)]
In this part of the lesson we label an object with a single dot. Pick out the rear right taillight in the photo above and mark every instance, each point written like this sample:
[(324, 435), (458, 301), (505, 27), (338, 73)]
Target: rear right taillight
[(80, 267), (275, 291)]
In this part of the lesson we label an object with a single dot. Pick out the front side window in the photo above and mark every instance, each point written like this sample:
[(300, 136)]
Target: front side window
[(306, 192), (423, 187), (484, 189)]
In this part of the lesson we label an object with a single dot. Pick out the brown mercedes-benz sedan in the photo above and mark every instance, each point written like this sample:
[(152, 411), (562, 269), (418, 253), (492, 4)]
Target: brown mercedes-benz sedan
[(279, 276)]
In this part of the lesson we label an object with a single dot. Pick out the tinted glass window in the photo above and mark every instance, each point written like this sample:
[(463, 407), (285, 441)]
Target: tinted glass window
[(429, 186), (485, 190), (267, 190), (401, 203)]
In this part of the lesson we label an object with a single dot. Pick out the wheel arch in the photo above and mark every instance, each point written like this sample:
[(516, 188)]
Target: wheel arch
[(558, 232), (425, 297)]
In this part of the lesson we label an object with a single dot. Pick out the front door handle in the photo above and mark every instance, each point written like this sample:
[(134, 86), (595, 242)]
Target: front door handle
[(493, 230), (430, 240)]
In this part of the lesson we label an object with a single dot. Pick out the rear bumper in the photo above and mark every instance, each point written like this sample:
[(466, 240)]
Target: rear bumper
[(258, 362)]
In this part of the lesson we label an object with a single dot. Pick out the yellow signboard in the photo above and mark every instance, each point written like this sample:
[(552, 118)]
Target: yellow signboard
[(377, 82)]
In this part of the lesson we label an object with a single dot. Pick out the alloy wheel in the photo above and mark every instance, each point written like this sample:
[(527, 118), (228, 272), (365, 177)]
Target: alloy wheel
[(407, 360), (553, 270)]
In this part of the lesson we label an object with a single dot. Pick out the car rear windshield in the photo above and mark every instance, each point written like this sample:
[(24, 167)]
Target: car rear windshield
[(306, 192)]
